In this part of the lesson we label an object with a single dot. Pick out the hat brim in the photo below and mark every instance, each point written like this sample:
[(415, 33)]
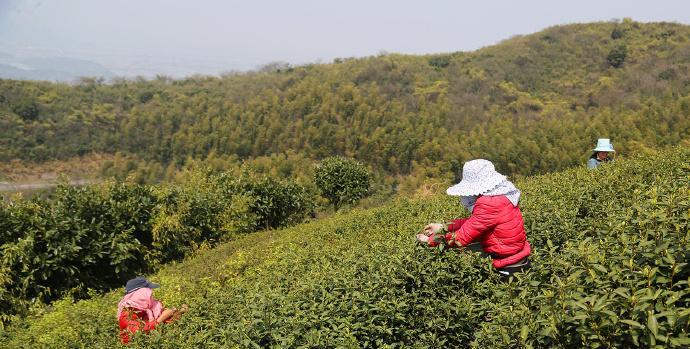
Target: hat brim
[(606, 150), (152, 285), (471, 189)]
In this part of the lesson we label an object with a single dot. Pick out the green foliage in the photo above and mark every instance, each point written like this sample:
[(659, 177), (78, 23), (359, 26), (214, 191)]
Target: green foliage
[(668, 74), (342, 180), (609, 270), (440, 61), (275, 203), (198, 211), (617, 33), (26, 108), (617, 56), (64, 245), (97, 237)]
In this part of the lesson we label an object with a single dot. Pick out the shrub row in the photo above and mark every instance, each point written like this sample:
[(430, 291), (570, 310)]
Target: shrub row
[(96, 237), (609, 270)]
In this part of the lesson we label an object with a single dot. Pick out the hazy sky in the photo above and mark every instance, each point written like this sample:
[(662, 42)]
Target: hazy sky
[(210, 36)]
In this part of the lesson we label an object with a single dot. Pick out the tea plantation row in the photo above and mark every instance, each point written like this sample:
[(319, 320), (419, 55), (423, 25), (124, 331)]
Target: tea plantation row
[(99, 236), (609, 270)]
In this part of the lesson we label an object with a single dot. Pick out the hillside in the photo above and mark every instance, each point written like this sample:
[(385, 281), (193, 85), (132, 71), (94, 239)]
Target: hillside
[(609, 270), (532, 104)]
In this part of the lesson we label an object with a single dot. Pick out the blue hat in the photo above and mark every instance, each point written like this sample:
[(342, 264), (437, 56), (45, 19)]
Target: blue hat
[(137, 283), (604, 144)]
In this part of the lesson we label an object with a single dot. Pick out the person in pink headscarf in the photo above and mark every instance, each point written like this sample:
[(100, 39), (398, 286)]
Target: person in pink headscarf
[(138, 310)]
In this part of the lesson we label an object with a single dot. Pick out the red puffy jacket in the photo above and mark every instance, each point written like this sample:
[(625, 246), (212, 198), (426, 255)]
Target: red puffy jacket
[(132, 321), (498, 225)]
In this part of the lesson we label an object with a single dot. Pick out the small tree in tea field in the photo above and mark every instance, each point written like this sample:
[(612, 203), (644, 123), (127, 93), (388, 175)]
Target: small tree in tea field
[(342, 180)]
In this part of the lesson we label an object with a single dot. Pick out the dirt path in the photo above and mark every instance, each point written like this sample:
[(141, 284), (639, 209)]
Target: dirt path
[(38, 185)]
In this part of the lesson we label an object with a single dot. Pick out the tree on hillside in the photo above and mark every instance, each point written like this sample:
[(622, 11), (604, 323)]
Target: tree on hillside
[(617, 33), (342, 180), (617, 56), (26, 108)]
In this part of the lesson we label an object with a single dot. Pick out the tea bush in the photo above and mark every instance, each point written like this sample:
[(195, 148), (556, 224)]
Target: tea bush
[(64, 245), (97, 237), (274, 203), (609, 270), (342, 180)]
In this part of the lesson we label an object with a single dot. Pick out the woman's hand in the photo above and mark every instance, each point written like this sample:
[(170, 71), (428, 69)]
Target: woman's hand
[(432, 228), (423, 238)]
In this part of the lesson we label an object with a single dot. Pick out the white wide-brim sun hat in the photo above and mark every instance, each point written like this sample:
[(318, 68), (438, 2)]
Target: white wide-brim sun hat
[(478, 177), (604, 144)]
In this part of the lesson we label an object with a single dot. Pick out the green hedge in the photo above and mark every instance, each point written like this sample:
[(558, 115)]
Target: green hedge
[(97, 237), (609, 270)]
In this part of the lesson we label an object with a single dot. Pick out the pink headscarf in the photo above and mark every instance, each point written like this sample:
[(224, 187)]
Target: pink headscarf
[(141, 300)]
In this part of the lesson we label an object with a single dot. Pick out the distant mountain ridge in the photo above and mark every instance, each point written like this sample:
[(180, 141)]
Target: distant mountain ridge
[(49, 68)]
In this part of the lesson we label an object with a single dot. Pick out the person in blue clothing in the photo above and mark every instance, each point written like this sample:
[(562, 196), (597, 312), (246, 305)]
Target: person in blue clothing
[(601, 153)]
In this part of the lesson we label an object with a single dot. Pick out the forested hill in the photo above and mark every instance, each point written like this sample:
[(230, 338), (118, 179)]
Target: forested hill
[(531, 104)]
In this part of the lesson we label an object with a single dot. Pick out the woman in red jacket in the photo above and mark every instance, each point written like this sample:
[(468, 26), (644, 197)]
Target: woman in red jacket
[(495, 226)]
